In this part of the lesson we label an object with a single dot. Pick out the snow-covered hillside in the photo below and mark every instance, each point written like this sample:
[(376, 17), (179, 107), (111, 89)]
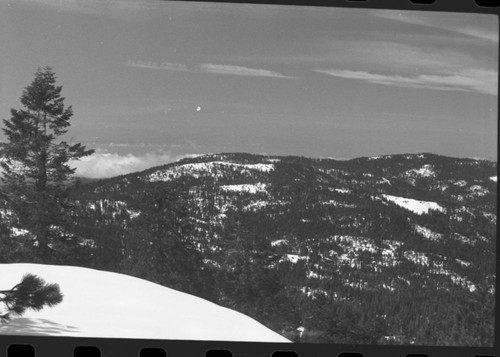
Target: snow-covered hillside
[(212, 168), (111, 305), (280, 237)]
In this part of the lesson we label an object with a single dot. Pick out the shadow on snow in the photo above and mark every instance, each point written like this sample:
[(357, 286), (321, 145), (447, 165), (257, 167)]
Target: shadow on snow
[(31, 326)]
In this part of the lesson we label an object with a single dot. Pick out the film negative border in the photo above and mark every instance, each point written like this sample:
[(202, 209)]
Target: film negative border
[(67, 346), (11, 346)]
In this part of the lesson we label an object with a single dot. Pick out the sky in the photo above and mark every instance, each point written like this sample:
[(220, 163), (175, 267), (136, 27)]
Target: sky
[(152, 81)]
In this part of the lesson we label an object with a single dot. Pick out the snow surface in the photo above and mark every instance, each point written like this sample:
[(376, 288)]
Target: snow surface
[(463, 263), (249, 188), (417, 257), (478, 190), (338, 204), (384, 180), (418, 207), (16, 232), (388, 287), (464, 239), (424, 171), (427, 233), (461, 183), (456, 279), (293, 258), (199, 169), (111, 305), (117, 206), (254, 206), (356, 243), (378, 157), (279, 242)]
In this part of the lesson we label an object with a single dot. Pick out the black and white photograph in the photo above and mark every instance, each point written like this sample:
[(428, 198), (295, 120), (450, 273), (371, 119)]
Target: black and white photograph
[(209, 171)]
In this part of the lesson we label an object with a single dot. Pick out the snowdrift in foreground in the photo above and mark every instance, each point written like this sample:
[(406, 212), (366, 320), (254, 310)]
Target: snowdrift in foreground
[(103, 304)]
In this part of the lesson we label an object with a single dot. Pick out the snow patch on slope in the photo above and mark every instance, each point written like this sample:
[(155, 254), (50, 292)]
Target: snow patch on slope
[(416, 257), (416, 206), (293, 258), (117, 207), (380, 157), (104, 304), (455, 278), (427, 233), (338, 204), (424, 171), (461, 183), (279, 242), (342, 190), (16, 232), (249, 188), (478, 190)]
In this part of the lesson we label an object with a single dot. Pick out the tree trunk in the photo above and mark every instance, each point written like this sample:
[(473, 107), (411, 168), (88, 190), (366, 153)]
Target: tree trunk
[(42, 211)]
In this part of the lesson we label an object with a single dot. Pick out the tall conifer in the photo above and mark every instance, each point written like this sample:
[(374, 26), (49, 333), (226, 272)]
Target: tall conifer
[(35, 160)]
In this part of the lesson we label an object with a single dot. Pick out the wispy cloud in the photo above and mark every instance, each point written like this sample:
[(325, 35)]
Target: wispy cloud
[(479, 33), (207, 68), (163, 66), (415, 56), (481, 81), (239, 71), (445, 60), (485, 27), (96, 7), (134, 8)]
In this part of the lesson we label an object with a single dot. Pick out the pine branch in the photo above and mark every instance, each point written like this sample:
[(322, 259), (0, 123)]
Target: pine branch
[(31, 293)]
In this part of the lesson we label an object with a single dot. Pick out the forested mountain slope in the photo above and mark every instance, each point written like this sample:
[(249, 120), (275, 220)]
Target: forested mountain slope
[(392, 249)]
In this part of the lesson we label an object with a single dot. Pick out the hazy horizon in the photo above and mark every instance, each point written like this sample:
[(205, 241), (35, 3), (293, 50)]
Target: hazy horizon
[(83, 165), (151, 82)]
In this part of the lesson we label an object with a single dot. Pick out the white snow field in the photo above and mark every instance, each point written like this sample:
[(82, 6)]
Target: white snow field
[(110, 305), (418, 207)]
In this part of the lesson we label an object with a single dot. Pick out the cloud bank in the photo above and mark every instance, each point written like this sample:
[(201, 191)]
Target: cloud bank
[(105, 164)]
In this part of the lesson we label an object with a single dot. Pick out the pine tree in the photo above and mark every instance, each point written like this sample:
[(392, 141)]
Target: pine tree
[(35, 163), (31, 293)]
